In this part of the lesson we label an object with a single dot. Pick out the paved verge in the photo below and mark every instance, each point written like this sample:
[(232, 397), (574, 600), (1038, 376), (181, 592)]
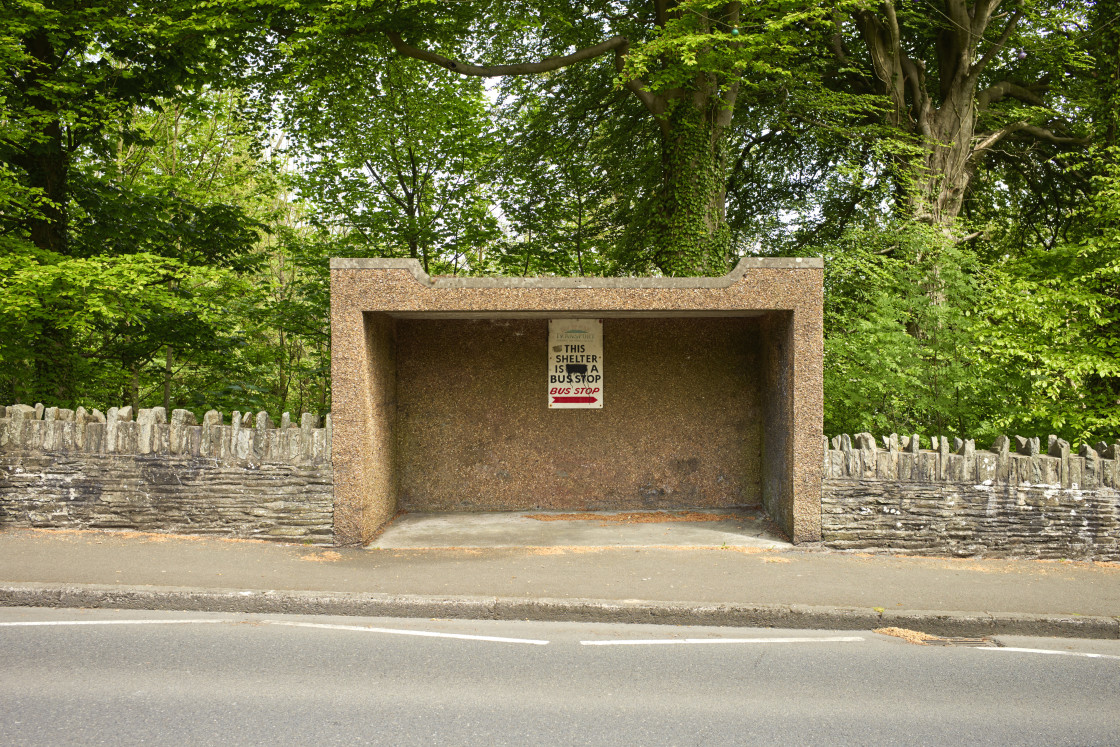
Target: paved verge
[(682, 585)]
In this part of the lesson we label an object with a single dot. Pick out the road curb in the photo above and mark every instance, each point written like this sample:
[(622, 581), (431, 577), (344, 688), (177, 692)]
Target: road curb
[(936, 622)]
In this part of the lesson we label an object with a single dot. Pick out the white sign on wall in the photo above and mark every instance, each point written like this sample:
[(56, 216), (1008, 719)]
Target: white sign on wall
[(575, 363)]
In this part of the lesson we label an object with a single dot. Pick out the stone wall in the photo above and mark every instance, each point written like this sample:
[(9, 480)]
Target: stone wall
[(955, 500), (249, 478), (79, 469)]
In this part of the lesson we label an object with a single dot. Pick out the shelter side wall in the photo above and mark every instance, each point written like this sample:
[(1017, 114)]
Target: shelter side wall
[(777, 407), (806, 359), (363, 393), (380, 501), (681, 425)]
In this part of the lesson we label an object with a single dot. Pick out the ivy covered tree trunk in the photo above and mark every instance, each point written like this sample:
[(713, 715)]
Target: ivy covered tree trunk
[(689, 233), (934, 191)]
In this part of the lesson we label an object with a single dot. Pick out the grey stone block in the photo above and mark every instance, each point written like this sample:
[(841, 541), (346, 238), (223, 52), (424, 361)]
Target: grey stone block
[(22, 412), (886, 463), (1092, 476), (183, 418), (151, 416), (1058, 447), (987, 468), (1001, 445), (1075, 473)]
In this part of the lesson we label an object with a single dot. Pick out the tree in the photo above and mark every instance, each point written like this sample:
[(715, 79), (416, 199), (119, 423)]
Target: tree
[(556, 177), (883, 282), (390, 150), (961, 78), (76, 66), (687, 64)]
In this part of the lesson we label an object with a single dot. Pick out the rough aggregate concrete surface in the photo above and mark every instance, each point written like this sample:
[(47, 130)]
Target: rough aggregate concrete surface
[(682, 427)]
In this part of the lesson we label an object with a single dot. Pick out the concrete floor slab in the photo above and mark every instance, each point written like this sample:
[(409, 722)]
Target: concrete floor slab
[(725, 527)]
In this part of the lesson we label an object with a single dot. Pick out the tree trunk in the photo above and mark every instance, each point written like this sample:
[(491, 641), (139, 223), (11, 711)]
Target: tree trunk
[(46, 160), (690, 224), (1107, 79), (935, 191), (134, 388), (167, 372)]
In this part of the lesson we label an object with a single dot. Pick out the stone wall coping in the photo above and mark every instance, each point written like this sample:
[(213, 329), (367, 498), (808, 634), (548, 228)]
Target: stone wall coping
[(247, 438), (900, 459), (745, 264)]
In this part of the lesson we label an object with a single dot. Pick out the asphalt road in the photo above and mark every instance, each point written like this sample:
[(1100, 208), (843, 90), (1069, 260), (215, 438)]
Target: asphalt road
[(93, 677)]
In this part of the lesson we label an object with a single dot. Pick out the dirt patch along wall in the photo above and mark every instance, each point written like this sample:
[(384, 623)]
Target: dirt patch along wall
[(681, 424)]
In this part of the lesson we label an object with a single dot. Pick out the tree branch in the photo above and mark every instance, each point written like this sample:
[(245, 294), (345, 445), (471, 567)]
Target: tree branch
[(1002, 90), (916, 81), (962, 25), (654, 104), (836, 39), (392, 195), (982, 63), (982, 16), (521, 68), (1039, 133)]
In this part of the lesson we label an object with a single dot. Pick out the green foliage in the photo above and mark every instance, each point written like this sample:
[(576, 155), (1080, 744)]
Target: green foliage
[(1055, 322), (391, 152), (900, 335), (165, 293), (175, 176)]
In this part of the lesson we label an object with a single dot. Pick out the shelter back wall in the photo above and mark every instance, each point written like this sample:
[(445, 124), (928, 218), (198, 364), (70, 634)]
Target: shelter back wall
[(681, 424)]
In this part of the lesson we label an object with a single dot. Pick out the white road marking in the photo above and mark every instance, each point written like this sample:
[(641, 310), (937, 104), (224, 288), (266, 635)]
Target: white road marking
[(324, 626), (1048, 651), (668, 641), (396, 631), (39, 623)]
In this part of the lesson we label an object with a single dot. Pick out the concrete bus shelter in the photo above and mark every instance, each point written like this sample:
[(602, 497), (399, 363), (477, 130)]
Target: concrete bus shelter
[(712, 394)]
